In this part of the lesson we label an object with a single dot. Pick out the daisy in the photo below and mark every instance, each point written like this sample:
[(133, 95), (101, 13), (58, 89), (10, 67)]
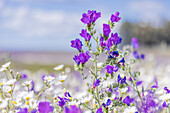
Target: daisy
[(27, 83), (49, 78), (59, 67), (62, 78), (11, 82), (130, 109)]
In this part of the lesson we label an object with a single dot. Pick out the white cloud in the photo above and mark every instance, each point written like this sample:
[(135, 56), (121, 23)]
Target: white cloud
[(148, 11), (36, 22)]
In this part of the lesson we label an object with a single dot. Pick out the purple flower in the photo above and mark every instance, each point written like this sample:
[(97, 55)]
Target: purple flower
[(135, 43), (115, 18), (111, 69), (127, 100), (106, 29), (139, 83), (109, 42), (113, 54), (44, 107), (85, 35), (72, 109), (108, 102), (34, 111), (82, 58), (96, 83), (23, 76), (23, 110), (90, 17), (102, 41), (122, 61), (164, 104), (61, 102), (142, 56), (148, 104), (116, 39), (156, 84), (136, 55), (121, 80), (75, 58), (76, 44), (167, 90), (99, 110)]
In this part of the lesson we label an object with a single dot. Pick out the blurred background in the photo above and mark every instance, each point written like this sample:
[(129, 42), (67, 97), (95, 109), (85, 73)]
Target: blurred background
[(36, 34)]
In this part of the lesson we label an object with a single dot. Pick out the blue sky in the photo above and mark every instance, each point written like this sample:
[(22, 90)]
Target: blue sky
[(49, 25)]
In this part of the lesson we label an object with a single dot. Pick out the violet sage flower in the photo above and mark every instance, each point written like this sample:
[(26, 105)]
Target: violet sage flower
[(115, 18), (99, 110), (96, 83), (90, 17), (85, 35), (44, 107), (76, 44), (127, 100), (106, 29), (135, 43)]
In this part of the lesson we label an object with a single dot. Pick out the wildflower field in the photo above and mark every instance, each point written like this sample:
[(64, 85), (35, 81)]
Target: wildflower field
[(103, 78)]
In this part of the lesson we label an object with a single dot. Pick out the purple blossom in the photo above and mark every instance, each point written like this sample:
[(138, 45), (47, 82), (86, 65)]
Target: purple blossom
[(116, 39), (139, 83), (111, 69), (155, 85), (76, 44), (164, 104), (106, 29), (115, 18), (90, 17), (142, 56), (23, 76), (44, 107), (127, 100), (99, 110), (23, 110), (102, 41), (34, 111), (113, 54), (75, 58), (72, 109), (85, 35), (96, 83), (81, 58), (61, 102), (148, 104), (167, 90), (135, 43), (136, 55), (121, 80), (109, 42)]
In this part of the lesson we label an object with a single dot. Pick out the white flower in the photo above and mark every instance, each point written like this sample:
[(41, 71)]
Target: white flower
[(122, 75), (27, 83), (74, 102), (28, 95), (60, 67), (86, 99), (17, 101), (123, 90), (49, 78), (4, 103), (11, 82), (7, 89), (33, 103), (62, 78), (131, 109), (2, 82), (6, 65), (99, 65)]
